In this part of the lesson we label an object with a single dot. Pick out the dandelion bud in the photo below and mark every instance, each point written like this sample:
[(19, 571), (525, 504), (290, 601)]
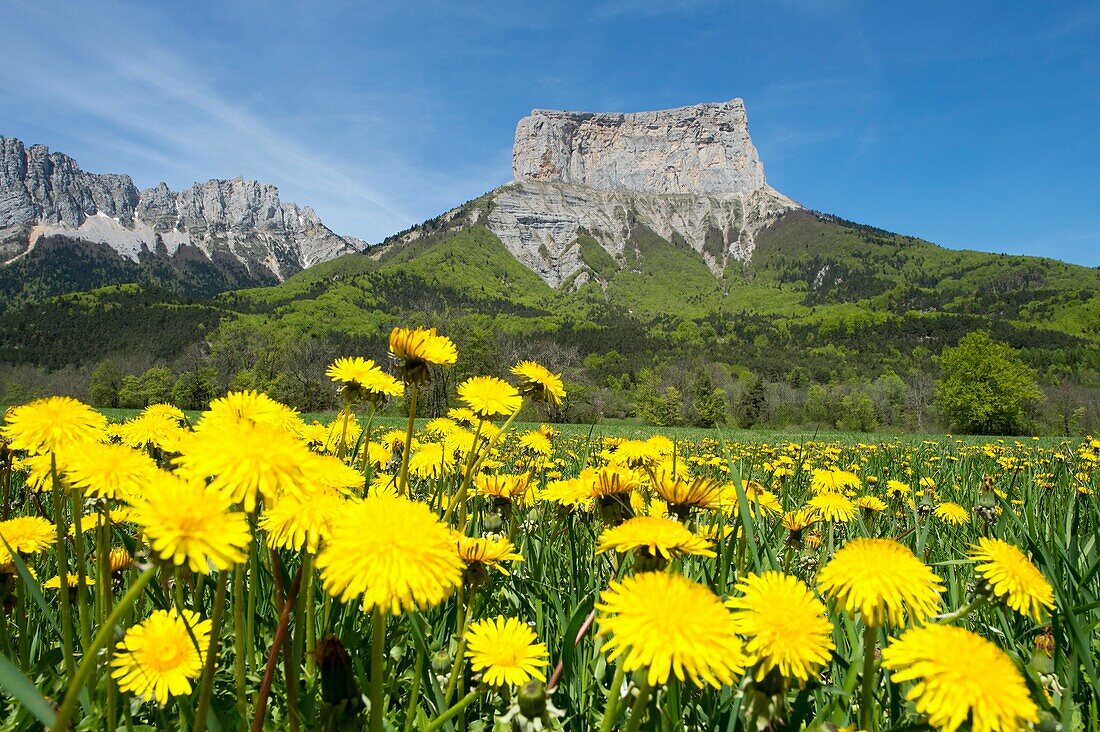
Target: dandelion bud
[(532, 699), (338, 684), (441, 662)]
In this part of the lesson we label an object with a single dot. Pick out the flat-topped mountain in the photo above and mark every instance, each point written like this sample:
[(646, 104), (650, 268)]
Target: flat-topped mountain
[(221, 233), (691, 176)]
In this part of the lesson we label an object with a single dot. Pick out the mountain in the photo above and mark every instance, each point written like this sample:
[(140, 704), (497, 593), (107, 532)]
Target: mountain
[(624, 242), (690, 175), (63, 229)]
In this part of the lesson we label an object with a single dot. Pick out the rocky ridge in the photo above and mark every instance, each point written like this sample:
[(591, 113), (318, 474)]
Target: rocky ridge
[(691, 175), (45, 195)]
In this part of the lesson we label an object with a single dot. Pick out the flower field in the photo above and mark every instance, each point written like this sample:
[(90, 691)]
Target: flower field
[(248, 568)]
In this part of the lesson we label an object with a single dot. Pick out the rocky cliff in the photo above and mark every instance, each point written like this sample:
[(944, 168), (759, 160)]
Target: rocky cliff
[(46, 196), (691, 175)]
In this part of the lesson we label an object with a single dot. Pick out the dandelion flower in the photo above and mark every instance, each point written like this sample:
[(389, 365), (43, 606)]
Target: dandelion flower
[(610, 480), (506, 652), (245, 460), (107, 471), (392, 551), (152, 430), (72, 580), (952, 513), (1011, 577), (786, 628), (798, 521), (682, 494), (960, 678), (502, 486), (253, 407), (47, 425), (636, 454), (539, 383), (670, 625), (488, 396), (26, 535), (431, 460), (159, 658), (297, 521), (360, 377), (881, 579), (833, 507), (479, 554), (655, 535), (834, 481), (185, 522), (871, 504), (415, 349)]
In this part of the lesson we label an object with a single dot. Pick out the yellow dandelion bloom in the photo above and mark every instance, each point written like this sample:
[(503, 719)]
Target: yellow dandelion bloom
[(539, 383), (833, 507), (503, 486), (152, 430), (670, 625), (48, 425), (1012, 577), (488, 396), (249, 406), (393, 552), (636, 454), (683, 494), (881, 579), (834, 481), (961, 678), (166, 411), (431, 460), (871, 504), (119, 560), (26, 535), (185, 522), (537, 442), (107, 471), (72, 580), (488, 553), (785, 627), (609, 480), (297, 521), (952, 513), (360, 377), (800, 520), (245, 460), (415, 349), (159, 658), (659, 536), (506, 652)]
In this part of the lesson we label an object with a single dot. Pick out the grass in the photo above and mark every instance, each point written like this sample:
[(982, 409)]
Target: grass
[(1044, 504)]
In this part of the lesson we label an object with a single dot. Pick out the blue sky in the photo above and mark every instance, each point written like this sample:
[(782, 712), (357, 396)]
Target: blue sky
[(971, 124)]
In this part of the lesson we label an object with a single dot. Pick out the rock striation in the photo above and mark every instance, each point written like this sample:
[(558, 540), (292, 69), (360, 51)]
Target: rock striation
[(44, 194), (691, 175)]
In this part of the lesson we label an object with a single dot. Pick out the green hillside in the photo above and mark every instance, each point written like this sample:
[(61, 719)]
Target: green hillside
[(822, 301)]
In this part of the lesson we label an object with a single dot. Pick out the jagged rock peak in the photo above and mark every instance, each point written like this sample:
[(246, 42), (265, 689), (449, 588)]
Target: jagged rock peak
[(704, 149), (46, 194)]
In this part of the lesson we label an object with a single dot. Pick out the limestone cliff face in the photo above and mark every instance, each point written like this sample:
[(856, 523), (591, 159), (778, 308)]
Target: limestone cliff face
[(690, 173), (704, 149), (45, 194)]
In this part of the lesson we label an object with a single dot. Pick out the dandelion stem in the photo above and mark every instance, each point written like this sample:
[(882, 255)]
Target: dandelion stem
[(377, 669), (273, 653), (611, 711), (962, 612), (637, 710), (207, 686), (414, 692), (88, 662), (867, 695), (409, 427), (454, 711), (61, 549), (240, 672)]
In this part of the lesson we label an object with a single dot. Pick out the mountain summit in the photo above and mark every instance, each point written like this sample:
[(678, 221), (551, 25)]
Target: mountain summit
[(690, 175), (235, 231)]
